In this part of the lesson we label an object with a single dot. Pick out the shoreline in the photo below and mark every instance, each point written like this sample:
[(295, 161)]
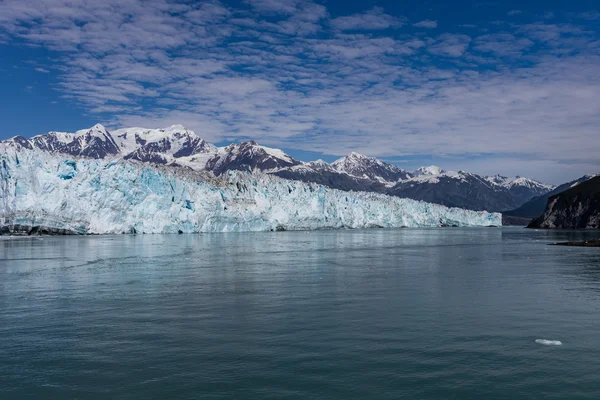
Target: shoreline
[(584, 243)]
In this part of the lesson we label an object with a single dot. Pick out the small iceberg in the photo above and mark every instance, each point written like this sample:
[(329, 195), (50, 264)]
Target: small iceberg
[(549, 342)]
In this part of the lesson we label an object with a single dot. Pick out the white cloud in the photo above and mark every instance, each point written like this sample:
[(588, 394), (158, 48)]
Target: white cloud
[(374, 19), (276, 6), (450, 45), (503, 44), (282, 73), (427, 23), (590, 15)]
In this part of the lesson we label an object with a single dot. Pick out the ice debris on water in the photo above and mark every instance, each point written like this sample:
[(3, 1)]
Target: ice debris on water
[(549, 342)]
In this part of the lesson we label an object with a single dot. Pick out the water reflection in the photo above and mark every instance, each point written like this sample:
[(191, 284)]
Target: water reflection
[(425, 313)]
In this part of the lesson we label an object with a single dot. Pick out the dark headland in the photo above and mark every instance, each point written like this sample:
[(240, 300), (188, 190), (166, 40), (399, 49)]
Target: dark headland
[(575, 208), (585, 243)]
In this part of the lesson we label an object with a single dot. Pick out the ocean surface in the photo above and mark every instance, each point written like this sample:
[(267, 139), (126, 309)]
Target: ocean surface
[(370, 314)]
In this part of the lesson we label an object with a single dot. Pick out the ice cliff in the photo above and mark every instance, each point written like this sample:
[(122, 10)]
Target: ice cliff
[(53, 193)]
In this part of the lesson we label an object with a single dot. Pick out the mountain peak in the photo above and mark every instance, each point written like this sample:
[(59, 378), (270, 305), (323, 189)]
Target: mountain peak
[(353, 158), (320, 165), (97, 130), (516, 182), (364, 167), (354, 154), (249, 156), (319, 162), (430, 170)]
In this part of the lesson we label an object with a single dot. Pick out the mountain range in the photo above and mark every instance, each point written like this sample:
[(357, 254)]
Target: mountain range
[(179, 147)]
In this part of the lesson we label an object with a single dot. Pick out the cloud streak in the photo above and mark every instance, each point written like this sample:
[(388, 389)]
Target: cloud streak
[(373, 19), (427, 23)]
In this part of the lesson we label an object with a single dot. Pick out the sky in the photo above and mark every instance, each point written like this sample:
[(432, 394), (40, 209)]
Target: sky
[(509, 87)]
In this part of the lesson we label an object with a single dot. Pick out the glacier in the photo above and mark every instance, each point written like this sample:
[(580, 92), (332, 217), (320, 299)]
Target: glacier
[(60, 194)]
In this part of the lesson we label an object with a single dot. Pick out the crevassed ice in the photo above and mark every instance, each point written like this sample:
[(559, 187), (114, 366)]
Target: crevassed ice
[(97, 196)]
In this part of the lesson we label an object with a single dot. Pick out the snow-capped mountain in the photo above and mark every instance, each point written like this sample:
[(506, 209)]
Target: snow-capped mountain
[(54, 192), (472, 191), (162, 146), (179, 146), (454, 189), (354, 172), (522, 189), (428, 171), (95, 142), (370, 168), (249, 156), (519, 182), (325, 174), (158, 146)]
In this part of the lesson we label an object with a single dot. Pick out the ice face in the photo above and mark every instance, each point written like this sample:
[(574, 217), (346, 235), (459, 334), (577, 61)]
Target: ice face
[(97, 196)]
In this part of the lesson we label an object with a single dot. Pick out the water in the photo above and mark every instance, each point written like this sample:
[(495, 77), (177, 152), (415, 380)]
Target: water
[(373, 314)]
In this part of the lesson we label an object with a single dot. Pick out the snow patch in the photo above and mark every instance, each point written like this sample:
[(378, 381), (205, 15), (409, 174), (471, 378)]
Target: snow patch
[(430, 171)]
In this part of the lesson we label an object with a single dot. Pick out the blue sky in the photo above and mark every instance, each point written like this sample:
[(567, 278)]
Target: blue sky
[(507, 87)]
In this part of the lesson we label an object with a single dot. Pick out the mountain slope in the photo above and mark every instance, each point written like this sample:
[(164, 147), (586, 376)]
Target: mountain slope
[(161, 146), (453, 190), (324, 174), (575, 208), (158, 146), (536, 206), (462, 189), (95, 142), (370, 168), (522, 189), (249, 156)]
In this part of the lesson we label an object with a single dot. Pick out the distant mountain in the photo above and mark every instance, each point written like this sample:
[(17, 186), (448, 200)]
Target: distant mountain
[(161, 146), (249, 156), (536, 206), (370, 168), (431, 184), (575, 208), (158, 146), (354, 172), (454, 189), (431, 170), (520, 184), (325, 174), (521, 189), (179, 146), (466, 190), (95, 142)]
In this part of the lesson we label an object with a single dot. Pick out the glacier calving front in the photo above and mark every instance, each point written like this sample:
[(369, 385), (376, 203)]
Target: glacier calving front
[(39, 189)]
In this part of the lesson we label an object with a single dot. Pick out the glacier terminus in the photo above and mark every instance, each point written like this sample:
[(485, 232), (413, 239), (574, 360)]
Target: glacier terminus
[(96, 191)]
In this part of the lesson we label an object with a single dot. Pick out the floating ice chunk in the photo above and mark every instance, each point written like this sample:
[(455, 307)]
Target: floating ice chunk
[(549, 342)]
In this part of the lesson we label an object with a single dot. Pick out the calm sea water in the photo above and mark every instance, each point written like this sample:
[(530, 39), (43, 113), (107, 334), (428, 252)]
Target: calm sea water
[(373, 314)]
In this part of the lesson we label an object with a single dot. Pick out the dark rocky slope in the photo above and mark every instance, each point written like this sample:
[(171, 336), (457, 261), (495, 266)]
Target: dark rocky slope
[(576, 208), (536, 206)]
